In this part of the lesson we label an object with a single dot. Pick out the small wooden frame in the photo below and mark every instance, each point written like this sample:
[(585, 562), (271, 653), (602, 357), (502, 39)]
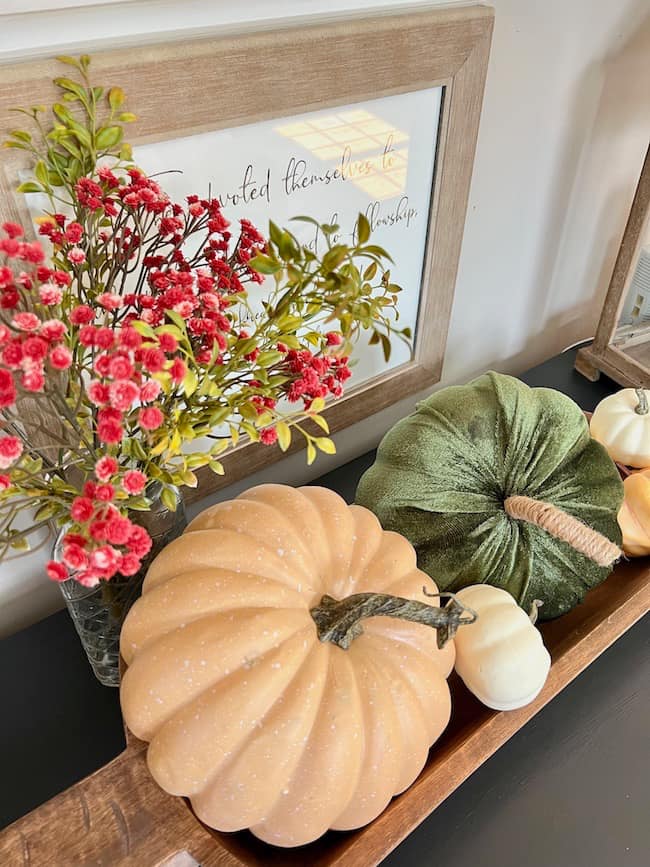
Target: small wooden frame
[(181, 89), (119, 816), (624, 358)]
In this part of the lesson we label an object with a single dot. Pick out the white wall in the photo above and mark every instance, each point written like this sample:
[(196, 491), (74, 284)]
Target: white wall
[(566, 122)]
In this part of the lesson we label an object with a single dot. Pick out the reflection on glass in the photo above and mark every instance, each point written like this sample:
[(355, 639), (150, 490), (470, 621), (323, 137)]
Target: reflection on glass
[(633, 331), (365, 148), (636, 309)]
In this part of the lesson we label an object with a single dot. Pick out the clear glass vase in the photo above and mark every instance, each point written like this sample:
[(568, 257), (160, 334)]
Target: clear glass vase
[(98, 612)]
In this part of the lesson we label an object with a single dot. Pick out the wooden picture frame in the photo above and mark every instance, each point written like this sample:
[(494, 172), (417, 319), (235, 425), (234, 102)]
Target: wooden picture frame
[(280, 73), (624, 358)]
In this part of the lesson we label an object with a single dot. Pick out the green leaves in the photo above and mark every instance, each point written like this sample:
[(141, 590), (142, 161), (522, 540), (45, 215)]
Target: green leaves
[(178, 320), (289, 322), (70, 86), (284, 435), (269, 358), (168, 499), (21, 135), (325, 445), (190, 383), (362, 229), (40, 171), (333, 258), (116, 98), (46, 511), (61, 113), (81, 64), (108, 137), (316, 444), (143, 328), (70, 61), (87, 123), (320, 421), (385, 345), (370, 271), (248, 411), (29, 187), (264, 264), (219, 416), (188, 478), (139, 504), (246, 346)]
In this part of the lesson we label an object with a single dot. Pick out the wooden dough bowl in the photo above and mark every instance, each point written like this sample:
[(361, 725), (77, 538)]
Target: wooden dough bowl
[(119, 816)]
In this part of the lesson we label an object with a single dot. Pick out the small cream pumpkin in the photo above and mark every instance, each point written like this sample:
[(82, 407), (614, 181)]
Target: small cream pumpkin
[(263, 698), (621, 423), (501, 657)]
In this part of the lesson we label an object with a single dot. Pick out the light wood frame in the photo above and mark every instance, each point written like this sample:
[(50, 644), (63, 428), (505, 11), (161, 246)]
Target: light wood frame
[(606, 354), (253, 77)]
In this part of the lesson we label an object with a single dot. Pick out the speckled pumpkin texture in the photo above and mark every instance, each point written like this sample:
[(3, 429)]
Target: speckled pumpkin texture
[(247, 712), (442, 474)]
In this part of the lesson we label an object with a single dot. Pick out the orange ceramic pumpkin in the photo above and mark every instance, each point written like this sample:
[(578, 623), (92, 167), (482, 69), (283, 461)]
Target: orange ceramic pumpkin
[(634, 515), (261, 717)]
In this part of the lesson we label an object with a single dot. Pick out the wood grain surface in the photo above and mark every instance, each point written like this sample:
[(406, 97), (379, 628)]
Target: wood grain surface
[(119, 816)]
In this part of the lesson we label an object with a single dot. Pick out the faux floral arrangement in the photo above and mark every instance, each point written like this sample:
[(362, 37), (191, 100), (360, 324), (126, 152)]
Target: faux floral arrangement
[(138, 333)]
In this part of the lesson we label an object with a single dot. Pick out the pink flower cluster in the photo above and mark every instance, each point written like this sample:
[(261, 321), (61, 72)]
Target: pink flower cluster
[(11, 448), (14, 248), (193, 296), (31, 341), (198, 289), (133, 225), (315, 375), (125, 365), (103, 541), (111, 192), (113, 197), (310, 376), (200, 293)]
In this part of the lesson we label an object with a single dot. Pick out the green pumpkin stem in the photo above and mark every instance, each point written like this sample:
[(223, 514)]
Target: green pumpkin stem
[(642, 406), (339, 620)]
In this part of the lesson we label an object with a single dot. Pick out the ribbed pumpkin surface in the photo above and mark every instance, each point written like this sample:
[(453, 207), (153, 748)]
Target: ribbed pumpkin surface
[(248, 714), (634, 516), (501, 658)]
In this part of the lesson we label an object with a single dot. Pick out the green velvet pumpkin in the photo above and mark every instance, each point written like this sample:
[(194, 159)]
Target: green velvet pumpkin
[(442, 476)]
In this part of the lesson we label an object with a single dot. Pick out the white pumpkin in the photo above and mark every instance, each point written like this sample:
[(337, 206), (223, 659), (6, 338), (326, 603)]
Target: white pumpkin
[(621, 423), (501, 657)]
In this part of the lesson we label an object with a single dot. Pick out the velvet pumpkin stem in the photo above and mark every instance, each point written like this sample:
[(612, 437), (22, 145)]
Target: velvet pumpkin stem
[(583, 538), (339, 620)]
